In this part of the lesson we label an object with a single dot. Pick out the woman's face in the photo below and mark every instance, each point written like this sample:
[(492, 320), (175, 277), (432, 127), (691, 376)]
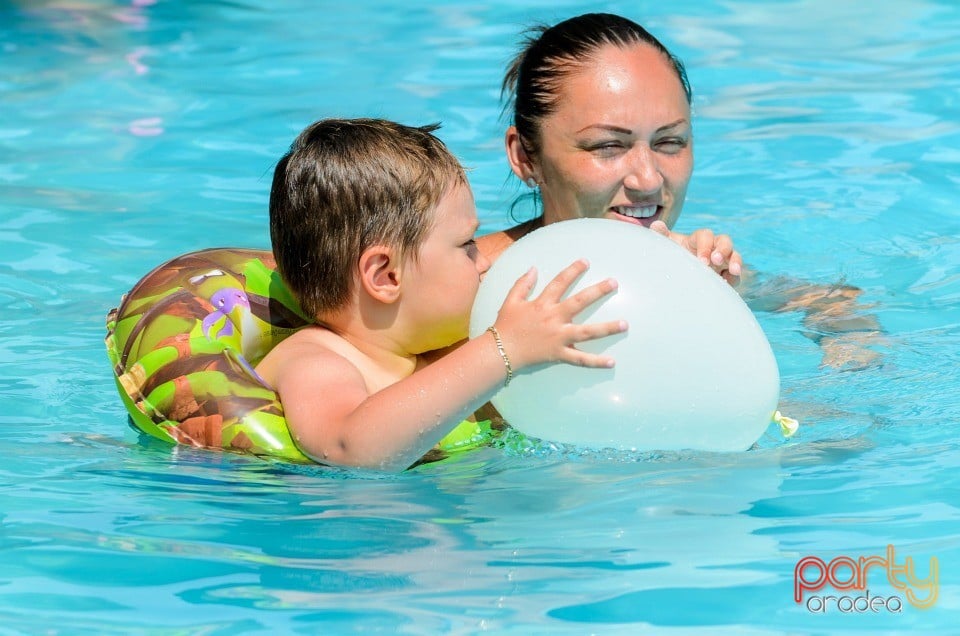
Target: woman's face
[(620, 143)]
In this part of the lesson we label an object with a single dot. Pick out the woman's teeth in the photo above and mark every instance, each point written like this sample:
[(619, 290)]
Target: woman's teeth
[(636, 212)]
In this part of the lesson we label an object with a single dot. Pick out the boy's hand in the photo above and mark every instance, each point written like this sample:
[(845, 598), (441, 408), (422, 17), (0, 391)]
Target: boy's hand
[(541, 330), (716, 251)]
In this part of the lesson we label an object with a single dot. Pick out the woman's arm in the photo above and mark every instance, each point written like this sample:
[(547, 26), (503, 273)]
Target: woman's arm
[(833, 317)]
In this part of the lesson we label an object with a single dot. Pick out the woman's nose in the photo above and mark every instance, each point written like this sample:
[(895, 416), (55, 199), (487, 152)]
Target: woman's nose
[(644, 174)]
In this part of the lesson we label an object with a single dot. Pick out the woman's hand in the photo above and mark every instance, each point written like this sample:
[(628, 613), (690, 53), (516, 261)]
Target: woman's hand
[(715, 250)]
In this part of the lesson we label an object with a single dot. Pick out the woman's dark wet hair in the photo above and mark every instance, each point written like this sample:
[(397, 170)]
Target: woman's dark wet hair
[(548, 55)]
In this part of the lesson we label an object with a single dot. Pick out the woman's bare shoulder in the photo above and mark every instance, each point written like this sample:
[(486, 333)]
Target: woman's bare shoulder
[(494, 244)]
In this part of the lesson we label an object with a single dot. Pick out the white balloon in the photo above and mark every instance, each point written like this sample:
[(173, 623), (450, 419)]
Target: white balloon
[(694, 371)]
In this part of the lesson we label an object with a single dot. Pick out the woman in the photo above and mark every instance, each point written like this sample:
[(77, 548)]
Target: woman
[(602, 128)]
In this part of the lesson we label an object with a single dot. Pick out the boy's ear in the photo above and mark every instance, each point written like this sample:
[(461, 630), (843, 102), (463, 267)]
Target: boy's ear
[(518, 157), (380, 272)]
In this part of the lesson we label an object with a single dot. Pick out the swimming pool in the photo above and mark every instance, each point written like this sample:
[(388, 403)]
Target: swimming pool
[(827, 144)]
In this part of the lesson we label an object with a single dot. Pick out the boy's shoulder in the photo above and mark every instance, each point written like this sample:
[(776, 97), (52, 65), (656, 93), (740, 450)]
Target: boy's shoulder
[(314, 351)]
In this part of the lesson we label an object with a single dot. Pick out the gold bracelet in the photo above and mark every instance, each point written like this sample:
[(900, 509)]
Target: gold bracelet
[(503, 354)]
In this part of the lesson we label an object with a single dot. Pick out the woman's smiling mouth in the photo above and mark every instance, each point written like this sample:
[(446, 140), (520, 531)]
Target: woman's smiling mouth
[(641, 214)]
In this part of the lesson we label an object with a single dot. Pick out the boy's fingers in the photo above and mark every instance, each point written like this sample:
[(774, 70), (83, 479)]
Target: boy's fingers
[(583, 359), (557, 287), (523, 285), (572, 355), (589, 295), (596, 330)]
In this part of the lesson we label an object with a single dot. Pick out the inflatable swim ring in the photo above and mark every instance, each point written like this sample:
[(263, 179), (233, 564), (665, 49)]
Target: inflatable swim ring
[(184, 343)]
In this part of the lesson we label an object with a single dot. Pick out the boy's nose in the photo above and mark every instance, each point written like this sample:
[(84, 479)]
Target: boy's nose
[(483, 263)]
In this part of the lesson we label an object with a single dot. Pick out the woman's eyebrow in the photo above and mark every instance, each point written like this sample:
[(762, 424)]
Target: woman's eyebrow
[(626, 131), (679, 122), (610, 127)]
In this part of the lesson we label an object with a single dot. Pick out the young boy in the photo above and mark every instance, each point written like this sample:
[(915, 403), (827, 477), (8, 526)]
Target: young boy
[(372, 225)]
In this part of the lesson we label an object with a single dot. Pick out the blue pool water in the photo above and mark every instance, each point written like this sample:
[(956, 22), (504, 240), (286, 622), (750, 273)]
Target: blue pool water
[(827, 145)]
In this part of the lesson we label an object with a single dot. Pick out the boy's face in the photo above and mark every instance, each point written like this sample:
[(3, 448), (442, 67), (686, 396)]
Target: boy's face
[(441, 282)]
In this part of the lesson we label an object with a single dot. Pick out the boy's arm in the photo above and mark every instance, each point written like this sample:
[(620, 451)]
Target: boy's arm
[(335, 419)]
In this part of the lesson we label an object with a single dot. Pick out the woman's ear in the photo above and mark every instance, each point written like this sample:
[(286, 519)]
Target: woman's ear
[(380, 273), (518, 157)]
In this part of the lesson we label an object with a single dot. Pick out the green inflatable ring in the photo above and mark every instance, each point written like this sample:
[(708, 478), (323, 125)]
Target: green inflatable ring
[(184, 343)]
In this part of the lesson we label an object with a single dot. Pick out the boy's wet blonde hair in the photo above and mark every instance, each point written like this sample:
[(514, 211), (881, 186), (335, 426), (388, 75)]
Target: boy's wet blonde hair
[(346, 185)]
